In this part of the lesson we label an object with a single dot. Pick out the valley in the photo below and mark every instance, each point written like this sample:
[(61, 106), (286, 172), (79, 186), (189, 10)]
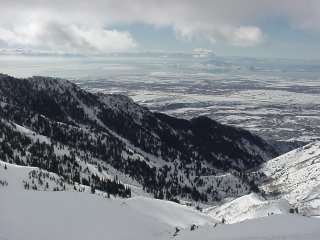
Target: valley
[(158, 120), (178, 177)]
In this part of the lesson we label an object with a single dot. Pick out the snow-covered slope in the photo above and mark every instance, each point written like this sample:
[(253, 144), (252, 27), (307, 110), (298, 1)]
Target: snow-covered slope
[(70, 214), (291, 183), (275, 227), (248, 207), (295, 176), (37, 215)]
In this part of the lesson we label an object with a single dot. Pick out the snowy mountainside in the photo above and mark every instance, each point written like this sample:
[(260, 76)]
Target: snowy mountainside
[(61, 144), (295, 176), (70, 214), (29, 214), (250, 206), (67, 129), (18, 178), (288, 183)]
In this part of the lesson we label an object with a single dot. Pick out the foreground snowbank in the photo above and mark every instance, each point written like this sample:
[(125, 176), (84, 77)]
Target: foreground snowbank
[(70, 215), (33, 215), (275, 227)]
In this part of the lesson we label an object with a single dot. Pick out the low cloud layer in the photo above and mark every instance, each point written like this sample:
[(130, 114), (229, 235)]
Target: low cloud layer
[(88, 26)]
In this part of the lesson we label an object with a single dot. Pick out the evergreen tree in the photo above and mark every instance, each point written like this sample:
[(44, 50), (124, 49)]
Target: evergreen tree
[(93, 190)]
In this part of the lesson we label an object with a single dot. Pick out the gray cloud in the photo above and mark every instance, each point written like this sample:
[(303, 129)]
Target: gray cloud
[(83, 25)]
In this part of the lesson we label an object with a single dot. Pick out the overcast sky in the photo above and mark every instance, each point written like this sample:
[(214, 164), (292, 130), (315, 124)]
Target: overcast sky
[(261, 28)]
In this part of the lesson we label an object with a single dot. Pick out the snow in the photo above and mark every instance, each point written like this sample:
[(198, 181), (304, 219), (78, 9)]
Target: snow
[(17, 176), (171, 213), (275, 227), (250, 206), (70, 215), (27, 214), (295, 176), (232, 99), (224, 184), (65, 215), (31, 134), (294, 182), (14, 174), (33, 215)]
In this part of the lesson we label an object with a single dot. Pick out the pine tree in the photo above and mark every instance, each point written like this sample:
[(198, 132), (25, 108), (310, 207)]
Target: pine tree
[(93, 190)]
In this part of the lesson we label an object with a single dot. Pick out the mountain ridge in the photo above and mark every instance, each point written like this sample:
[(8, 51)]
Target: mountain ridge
[(164, 154)]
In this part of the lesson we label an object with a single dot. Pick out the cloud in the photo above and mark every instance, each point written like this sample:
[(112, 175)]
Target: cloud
[(88, 25), (70, 38), (248, 35), (238, 36)]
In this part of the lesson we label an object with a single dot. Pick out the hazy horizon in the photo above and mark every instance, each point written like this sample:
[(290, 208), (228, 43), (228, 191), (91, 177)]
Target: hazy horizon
[(264, 29)]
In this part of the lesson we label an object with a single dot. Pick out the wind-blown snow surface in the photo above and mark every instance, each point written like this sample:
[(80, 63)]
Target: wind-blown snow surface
[(295, 176)]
